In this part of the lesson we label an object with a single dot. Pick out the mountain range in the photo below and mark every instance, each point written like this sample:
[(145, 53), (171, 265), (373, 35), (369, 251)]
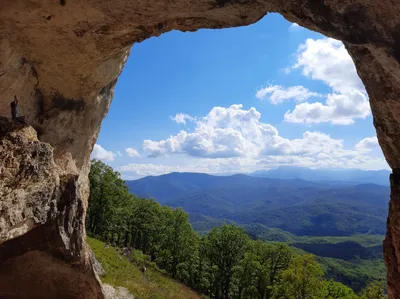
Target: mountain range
[(344, 176), (342, 203)]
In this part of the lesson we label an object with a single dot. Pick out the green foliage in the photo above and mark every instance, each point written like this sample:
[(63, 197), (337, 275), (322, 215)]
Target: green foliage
[(149, 285), (109, 201), (223, 264), (302, 280), (259, 231), (375, 290), (362, 253), (261, 268), (336, 290), (123, 220), (225, 247), (178, 244), (355, 273)]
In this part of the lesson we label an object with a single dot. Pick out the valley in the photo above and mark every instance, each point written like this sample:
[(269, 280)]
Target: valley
[(342, 222)]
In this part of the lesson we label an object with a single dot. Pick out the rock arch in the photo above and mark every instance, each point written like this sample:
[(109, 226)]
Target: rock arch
[(63, 57)]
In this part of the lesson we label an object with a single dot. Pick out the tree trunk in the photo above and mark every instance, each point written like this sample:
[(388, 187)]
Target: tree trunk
[(226, 291)]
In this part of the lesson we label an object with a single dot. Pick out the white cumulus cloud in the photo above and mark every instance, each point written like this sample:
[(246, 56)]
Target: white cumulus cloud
[(132, 152), (100, 153), (119, 154), (234, 138), (181, 118), (323, 159), (339, 109), (224, 132), (327, 60), (367, 144), (278, 94)]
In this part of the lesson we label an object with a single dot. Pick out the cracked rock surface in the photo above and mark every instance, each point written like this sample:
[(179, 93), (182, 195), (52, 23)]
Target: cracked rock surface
[(28, 181), (42, 253)]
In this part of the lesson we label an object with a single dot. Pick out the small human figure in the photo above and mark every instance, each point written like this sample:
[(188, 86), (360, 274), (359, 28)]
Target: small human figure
[(14, 108), (15, 112)]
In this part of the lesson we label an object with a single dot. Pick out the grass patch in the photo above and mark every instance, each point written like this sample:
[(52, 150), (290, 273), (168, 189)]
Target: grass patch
[(152, 284)]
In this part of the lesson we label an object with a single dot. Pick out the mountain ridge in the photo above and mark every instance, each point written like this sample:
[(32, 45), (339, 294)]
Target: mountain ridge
[(380, 177), (295, 205)]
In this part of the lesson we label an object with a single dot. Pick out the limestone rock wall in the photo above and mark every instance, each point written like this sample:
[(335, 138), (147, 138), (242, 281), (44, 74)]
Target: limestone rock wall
[(28, 181), (42, 250), (63, 57)]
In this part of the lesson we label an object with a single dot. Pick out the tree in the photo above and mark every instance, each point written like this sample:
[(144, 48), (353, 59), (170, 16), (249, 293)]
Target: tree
[(245, 280), (108, 196), (302, 280), (337, 290), (375, 290), (164, 234), (205, 277), (226, 247), (261, 268), (179, 243), (146, 226), (278, 257)]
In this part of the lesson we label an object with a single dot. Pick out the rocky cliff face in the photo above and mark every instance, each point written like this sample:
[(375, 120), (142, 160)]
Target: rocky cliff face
[(42, 250), (63, 57)]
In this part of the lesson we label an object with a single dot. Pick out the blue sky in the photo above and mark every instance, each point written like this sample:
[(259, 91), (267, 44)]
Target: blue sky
[(238, 100)]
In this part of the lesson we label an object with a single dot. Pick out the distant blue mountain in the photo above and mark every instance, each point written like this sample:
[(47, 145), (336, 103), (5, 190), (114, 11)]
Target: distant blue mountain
[(172, 186), (344, 176), (324, 207)]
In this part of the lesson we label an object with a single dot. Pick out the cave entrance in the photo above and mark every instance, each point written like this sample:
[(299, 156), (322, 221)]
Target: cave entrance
[(248, 100), (298, 81), (63, 58)]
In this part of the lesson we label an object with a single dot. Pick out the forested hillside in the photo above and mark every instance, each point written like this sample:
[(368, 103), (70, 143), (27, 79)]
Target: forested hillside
[(225, 263), (293, 205)]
